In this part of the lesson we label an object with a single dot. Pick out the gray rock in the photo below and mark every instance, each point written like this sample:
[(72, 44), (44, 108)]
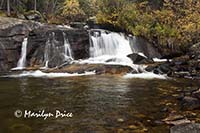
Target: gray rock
[(138, 59), (186, 128), (190, 103), (78, 39)]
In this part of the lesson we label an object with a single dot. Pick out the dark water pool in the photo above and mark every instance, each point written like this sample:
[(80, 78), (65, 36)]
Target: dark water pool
[(98, 103)]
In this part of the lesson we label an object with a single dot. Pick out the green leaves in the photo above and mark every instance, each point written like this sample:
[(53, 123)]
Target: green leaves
[(174, 22)]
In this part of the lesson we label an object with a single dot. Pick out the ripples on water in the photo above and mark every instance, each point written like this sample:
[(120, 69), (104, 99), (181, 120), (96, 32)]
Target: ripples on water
[(98, 103)]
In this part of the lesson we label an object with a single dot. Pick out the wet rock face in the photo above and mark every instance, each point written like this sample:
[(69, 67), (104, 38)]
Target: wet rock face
[(12, 33), (38, 39), (140, 45)]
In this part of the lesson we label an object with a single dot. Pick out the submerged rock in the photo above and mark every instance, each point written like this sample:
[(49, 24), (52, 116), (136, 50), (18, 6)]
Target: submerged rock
[(190, 103), (196, 94), (176, 119), (186, 128)]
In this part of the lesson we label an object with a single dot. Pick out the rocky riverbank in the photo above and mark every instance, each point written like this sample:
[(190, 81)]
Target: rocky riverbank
[(185, 66)]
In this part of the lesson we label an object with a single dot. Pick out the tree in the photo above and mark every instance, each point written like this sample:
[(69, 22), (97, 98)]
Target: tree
[(109, 11), (8, 7), (1, 4), (35, 5), (89, 7), (72, 11)]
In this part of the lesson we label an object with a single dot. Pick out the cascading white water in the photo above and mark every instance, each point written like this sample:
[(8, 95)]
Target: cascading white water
[(109, 48), (112, 44), (105, 48), (22, 61), (54, 50), (46, 53), (68, 52)]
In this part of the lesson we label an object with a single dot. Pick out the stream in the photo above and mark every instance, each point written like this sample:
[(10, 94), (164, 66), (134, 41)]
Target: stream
[(98, 103)]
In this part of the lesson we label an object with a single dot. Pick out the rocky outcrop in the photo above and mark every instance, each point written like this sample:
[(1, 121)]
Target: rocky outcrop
[(78, 40), (141, 45), (185, 66), (12, 33)]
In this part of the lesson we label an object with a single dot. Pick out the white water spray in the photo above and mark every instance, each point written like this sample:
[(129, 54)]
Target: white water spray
[(109, 48), (111, 44), (46, 53), (22, 61), (55, 51), (68, 52)]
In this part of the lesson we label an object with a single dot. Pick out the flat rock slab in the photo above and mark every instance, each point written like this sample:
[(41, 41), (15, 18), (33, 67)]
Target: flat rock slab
[(97, 68), (186, 128)]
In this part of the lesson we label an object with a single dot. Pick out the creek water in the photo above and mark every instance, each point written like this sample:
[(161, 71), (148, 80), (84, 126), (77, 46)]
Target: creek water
[(98, 103)]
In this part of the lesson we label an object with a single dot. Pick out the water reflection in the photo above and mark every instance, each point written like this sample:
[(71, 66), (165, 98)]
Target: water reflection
[(23, 85), (99, 103)]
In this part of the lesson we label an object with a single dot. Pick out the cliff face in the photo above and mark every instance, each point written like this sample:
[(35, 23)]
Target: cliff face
[(37, 42), (12, 33)]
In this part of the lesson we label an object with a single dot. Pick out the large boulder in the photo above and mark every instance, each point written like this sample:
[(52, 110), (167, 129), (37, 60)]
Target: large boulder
[(139, 59)]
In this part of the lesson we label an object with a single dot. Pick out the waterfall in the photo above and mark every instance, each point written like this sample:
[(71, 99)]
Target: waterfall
[(22, 61), (50, 49), (109, 48), (46, 53), (111, 44), (55, 52), (68, 52)]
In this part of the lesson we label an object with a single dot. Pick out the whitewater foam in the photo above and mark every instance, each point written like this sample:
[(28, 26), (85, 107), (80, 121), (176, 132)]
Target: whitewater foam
[(145, 75), (38, 74)]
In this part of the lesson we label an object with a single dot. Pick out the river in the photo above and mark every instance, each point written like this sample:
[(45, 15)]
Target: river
[(98, 103)]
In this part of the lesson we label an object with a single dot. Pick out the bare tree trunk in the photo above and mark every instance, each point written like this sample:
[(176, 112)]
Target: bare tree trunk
[(8, 7), (35, 5), (1, 6)]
